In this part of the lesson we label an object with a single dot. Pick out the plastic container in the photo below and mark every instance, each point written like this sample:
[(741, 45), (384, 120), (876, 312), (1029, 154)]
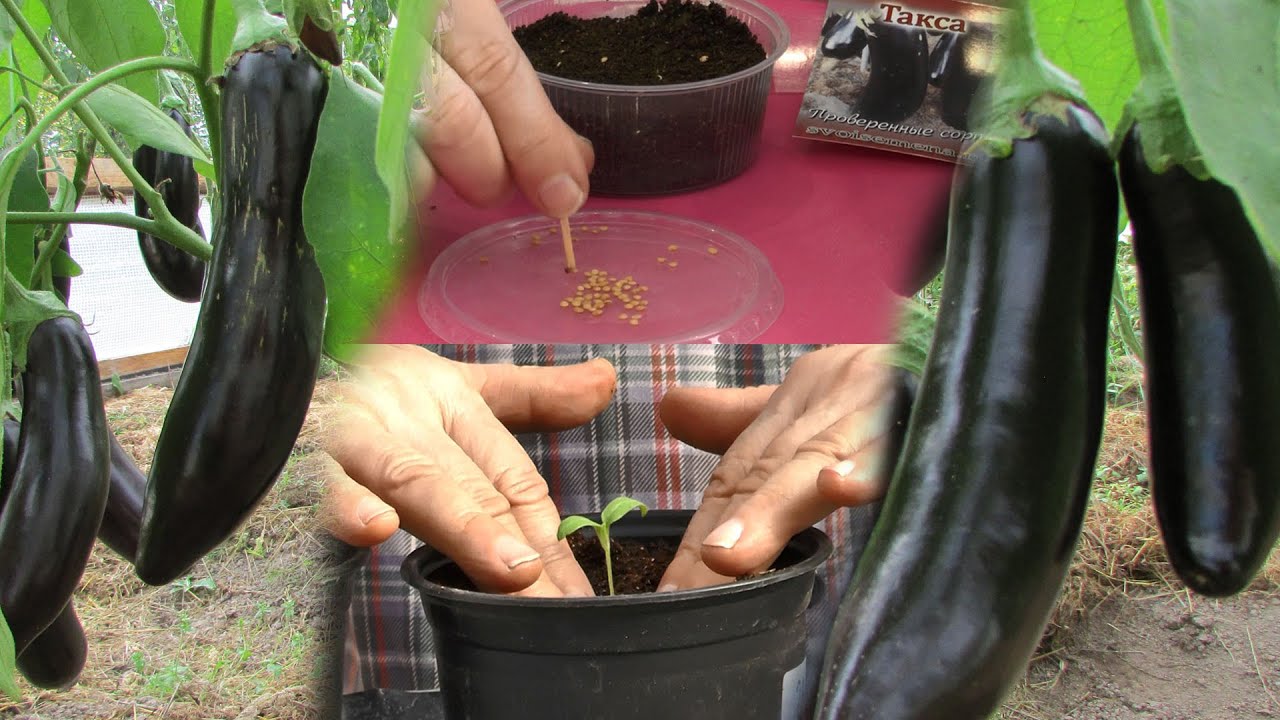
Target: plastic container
[(505, 282), (729, 651), (660, 139)]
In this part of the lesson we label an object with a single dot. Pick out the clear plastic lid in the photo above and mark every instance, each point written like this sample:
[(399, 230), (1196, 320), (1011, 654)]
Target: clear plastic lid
[(642, 278)]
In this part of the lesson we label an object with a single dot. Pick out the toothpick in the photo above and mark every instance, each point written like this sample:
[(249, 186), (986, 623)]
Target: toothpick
[(570, 266)]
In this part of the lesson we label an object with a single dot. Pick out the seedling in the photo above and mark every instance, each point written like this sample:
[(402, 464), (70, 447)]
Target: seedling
[(613, 512)]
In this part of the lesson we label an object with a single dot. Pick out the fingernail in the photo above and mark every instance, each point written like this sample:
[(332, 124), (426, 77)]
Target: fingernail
[(725, 536), (371, 509), (561, 196), (842, 468), (513, 552), (668, 587)]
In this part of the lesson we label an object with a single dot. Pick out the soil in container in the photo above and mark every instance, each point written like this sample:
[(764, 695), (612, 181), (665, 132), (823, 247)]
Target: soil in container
[(675, 42), (678, 41), (638, 563)]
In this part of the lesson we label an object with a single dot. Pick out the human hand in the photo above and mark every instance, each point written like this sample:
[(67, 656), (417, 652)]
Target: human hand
[(793, 454), (489, 125), (425, 443)]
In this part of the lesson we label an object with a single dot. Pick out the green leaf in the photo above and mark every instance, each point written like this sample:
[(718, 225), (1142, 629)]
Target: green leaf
[(63, 265), (409, 58), (8, 662), (255, 25), (1225, 69), (619, 507), (573, 524), (142, 123), (190, 15), (345, 213), (103, 33), (7, 30), (915, 336), (320, 11), (17, 52), (1090, 41), (28, 195)]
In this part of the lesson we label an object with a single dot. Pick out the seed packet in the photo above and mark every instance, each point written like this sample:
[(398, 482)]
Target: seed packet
[(900, 76)]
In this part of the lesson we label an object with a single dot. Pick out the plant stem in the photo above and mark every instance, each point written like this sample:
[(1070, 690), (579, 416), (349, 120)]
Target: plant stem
[(1152, 60), (1024, 78), (168, 227), (210, 103), (1155, 107), (608, 561), (79, 181), (1124, 321), (28, 78), (118, 219), (366, 76)]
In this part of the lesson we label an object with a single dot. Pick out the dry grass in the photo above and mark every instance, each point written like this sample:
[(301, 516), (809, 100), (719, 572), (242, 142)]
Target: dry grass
[(244, 636), (1120, 551)]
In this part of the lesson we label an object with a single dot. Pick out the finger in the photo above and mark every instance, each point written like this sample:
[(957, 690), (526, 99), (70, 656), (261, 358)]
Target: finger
[(711, 419), (350, 511), (545, 399), (755, 531), (734, 481), (435, 495), (504, 461), (460, 140), (779, 413), (545, 156)]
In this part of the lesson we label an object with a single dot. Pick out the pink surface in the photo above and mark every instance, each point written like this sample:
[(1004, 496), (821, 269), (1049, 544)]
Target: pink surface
[(833, 220)]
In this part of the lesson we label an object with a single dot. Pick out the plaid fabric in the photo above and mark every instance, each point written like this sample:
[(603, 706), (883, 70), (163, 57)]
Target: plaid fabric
[(626, 450)]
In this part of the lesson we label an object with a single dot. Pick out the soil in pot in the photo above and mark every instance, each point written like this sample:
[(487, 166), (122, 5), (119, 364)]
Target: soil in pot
[(678, 41), (638, 564), (654, 144)]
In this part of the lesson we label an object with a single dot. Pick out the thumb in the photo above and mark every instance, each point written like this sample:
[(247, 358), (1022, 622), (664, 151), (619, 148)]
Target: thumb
[(351, 512), (711, 419), (546, 399)]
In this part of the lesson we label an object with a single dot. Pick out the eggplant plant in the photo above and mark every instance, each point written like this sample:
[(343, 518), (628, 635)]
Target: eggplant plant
[(237, 95), (612, 513)]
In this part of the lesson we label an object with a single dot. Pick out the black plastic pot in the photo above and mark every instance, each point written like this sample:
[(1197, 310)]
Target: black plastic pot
[(730, 651)]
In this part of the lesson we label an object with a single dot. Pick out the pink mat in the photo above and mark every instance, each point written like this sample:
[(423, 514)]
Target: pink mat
[(831, 219)]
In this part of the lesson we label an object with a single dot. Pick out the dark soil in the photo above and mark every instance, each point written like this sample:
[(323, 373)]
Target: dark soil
[(637, 564), (675, 42), (664, 143)]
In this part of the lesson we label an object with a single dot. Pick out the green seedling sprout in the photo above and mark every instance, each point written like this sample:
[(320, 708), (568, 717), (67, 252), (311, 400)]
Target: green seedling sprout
[(612, 513)]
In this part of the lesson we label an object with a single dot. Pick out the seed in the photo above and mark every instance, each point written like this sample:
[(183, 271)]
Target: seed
[(662, 259), (673, 263), (702, 58), (578, 310), (644, 288), (712, 250), (634, 321), (597, 312), (564, 303), (604, 59), (484, 258), (622, 316), (673, 248)]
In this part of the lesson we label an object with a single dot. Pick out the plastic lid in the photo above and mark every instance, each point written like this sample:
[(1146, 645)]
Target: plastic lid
[(684, 281)]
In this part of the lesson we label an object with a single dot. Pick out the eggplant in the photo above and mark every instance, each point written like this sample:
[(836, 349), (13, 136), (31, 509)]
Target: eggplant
[(984, 509), (54, 504), (246, 384), (1211, 327)]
